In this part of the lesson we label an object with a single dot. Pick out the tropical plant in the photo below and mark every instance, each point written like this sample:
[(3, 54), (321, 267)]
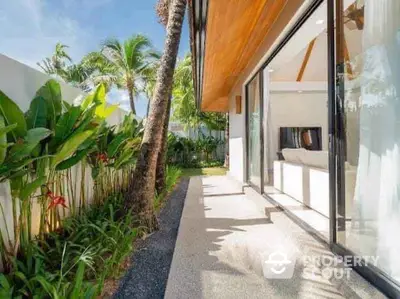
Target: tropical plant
[(55, 65), (173, 173), (184, 106), (76, 243), (91, 247), (38, 147), (141, 193), (187, 152), (126, 63)]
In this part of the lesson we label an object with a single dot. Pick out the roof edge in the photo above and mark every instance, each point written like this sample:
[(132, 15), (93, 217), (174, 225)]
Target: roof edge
[(198, 10)]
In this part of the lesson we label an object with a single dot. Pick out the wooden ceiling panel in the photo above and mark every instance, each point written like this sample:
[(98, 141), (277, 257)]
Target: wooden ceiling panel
[(235, 30)]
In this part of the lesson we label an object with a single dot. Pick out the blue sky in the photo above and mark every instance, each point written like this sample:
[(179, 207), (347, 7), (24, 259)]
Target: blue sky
[(29, 29)]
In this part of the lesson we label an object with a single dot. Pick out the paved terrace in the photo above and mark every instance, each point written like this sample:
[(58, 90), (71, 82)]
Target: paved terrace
[(222, 237)]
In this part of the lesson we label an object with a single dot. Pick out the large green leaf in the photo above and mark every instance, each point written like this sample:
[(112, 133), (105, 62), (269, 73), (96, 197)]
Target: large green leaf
[(104, 111), (51, 92), (37, 113), (3, 138), (21, 150), (98, 97), (30, 188), (124, 157), (9, 169), (6, 129), (75, 159), (115, 144), (65, 124), (36, 135), (70, 146), (12, 115)]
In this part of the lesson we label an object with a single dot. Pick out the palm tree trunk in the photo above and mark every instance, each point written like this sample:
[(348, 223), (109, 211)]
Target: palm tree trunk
[(129, 86), (162, 154), (142, 185)]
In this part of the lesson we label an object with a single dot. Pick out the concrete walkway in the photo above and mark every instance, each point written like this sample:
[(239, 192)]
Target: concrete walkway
[(224, 240)]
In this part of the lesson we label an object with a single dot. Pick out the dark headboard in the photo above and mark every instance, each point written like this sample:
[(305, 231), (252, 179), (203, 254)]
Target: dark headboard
[(297, 137)]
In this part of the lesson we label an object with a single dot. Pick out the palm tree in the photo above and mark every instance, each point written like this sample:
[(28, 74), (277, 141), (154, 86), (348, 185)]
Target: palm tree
[(142, 186), (60, 65), (55, 65), (127, 63)]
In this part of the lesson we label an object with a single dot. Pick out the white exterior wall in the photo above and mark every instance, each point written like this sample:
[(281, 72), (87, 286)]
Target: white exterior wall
[(237, 140)]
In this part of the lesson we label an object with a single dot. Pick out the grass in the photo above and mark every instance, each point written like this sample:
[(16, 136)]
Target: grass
[(187, 172)]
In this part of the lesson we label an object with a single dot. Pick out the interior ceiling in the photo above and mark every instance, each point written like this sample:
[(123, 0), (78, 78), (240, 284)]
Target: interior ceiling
[(312, 38), (235, 29)]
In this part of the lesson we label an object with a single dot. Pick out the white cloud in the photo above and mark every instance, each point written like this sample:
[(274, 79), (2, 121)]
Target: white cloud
[(29, 31), (116, 96)]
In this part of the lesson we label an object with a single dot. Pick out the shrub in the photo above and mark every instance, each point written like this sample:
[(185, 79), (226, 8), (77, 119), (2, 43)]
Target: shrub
[(74, 261)]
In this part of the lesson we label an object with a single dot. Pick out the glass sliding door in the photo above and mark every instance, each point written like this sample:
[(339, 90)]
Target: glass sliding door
[(368, 99), (253, 132)]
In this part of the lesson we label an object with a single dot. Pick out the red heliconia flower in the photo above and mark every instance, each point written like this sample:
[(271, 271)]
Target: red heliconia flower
[(102, 157), (55, 200)]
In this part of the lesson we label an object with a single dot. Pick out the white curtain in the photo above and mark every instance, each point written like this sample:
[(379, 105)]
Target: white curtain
[(376, 214)]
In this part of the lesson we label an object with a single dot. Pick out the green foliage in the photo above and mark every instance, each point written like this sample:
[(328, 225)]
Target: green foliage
[(78, 246), (12, 115), (187, 152), (172, 176), (89, 248), (70, 146), (184, 106), (43, 146)]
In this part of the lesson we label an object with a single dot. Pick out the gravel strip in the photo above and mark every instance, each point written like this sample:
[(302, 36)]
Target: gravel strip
[(151, 261)]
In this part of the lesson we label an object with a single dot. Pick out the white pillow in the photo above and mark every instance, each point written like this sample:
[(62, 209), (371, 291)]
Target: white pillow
[(293, 154), (319, 159)]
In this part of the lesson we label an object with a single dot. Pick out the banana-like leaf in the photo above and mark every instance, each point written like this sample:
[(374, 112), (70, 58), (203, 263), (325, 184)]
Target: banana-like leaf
[(37, 113), (36, 135), (66, 105), (3, 138), (21, 150), (6, 129), (12, 115), (70, 146), (51, 92), (103, 111), (98, 96), (125, 156), (115, 144), (75, 159), (65, 124), (30, 188), (10, 169)]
